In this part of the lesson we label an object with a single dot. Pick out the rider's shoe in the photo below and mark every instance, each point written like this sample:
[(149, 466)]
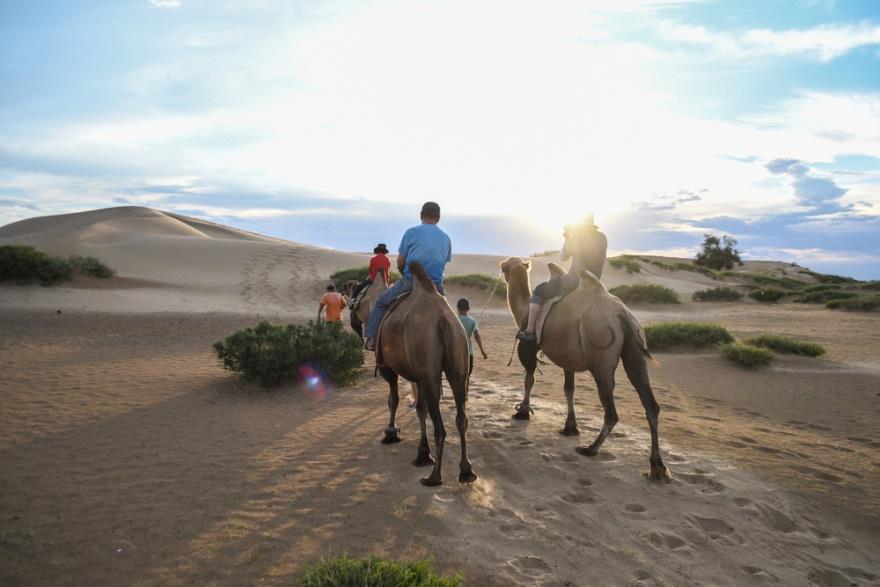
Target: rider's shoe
[(369, 344)]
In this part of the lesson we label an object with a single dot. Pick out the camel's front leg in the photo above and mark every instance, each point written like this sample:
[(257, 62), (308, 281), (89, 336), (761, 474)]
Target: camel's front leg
[(423, 458), (528, 356), (392, 431), (571, 427)]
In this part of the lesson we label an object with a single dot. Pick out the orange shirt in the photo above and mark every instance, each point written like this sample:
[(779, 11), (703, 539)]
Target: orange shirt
[(334, 303)]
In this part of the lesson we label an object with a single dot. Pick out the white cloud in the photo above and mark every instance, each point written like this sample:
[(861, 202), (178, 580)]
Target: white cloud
[(823, 42), (166, 3)]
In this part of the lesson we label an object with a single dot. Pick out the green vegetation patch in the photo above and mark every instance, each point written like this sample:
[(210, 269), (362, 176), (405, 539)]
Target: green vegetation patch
[(821, 288), (821, 297), (682, 266), (717, 294), (767, 294), (872, 285), (25, 264), (480, 281), (375, 572), (343, 276), (670, 335), (827, 277), (647, 293), (746, 354), (626, 262), (271, 354), (858, 303), (785, 345)]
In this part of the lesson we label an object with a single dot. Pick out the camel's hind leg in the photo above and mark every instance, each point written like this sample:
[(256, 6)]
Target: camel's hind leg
[(528, 356), (637, 370), (430, 395), (605, 383), (392, 432), (423, 458), (466, 472), (571, 426)]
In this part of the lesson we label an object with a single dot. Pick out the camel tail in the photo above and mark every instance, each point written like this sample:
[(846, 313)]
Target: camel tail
[(421, 277), (455, 357), (635, 335)]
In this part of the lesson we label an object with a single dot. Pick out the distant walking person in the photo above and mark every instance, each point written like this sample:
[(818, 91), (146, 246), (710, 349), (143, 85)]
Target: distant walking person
[(471, 328), (379, 261), (334, 302), (425, 243)]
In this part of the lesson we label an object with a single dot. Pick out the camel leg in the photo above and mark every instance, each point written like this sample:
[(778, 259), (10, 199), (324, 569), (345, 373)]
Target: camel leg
[(528, 356), (430, 395), (571, 427), (466, 472), (637, 370), (605, 383), (392, 432), (423, 458)]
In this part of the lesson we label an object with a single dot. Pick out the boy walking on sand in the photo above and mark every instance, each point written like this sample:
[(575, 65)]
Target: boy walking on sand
[(471, 329), (334, 302)]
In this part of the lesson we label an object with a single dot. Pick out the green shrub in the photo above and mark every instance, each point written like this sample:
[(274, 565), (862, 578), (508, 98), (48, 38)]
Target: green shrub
[(827, 277), (625, 262), (857, 303), (659, 264), (24, 264), (820, 297), (718, 253), (778, 282), (874, 285), (717, 294), (669, 335), (821, 288), (91, 266), (547, 253), (649, 293), (767, 294), (785, 345), (270, 354), (480, 281), (341, 277), (746, 355), (344, 571), (694, 269)]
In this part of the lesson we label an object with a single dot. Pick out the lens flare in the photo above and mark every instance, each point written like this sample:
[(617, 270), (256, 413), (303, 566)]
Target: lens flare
[(314, 381)]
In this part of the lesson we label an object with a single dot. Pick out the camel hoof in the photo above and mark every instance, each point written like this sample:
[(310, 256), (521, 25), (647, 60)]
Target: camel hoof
[(659, 473), (573, 431), (467, 477), (423, 460), (391, 436), (521, 415), (430, 482), (588, 451)]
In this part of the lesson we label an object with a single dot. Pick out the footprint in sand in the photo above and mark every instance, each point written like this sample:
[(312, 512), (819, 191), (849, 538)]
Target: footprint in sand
[(530, 565), (760, 574), (703, 483), (666, 541), (776, 520), (492, 434), (635, 508), (578, 497), (713, 527)]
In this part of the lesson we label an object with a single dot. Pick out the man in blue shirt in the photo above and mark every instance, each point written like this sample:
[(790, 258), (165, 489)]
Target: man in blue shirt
[(425, 243)]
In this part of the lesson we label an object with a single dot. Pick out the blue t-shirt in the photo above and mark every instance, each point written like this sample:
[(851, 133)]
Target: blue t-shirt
[(430, 246), (470, 326)]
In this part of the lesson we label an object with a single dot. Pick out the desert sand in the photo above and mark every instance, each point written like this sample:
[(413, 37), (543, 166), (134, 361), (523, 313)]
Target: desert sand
[(129, 456)]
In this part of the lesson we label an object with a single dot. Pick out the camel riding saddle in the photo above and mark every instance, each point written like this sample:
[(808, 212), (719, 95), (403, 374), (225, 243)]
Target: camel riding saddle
[(556, 273)]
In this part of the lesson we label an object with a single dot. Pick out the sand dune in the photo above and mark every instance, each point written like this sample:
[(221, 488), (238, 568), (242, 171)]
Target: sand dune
[(129, 457)]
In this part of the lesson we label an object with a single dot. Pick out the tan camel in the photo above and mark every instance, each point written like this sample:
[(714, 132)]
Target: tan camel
[(588, 330), (420, 340), (360, 316)]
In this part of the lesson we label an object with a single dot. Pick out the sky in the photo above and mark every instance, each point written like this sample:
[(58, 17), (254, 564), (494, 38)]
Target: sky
[(330, 122)]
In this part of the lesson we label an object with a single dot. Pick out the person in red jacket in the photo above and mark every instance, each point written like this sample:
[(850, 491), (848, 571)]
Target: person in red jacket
[(379, 261)]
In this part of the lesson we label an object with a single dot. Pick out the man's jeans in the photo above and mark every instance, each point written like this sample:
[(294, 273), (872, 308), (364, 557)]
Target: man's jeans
[(377, 312)]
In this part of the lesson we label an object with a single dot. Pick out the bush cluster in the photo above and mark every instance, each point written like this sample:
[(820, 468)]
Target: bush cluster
[(785, 345), (821, 297), (479, 281), (827, 277), (341, 277), (856, 303), (24, 264), (685, 334), (649, 293), (270, 354), (767, 295), (344, 571), (718, 253), (746, 354), (625, 262), (717, 294)]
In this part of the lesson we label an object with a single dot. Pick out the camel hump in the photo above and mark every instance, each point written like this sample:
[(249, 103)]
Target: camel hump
[(590, 281), (421, 278), (555, 270)]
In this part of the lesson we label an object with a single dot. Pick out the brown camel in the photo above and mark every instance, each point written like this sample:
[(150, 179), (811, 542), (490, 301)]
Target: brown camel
[(360, 316), (588, 330), (420, 340)]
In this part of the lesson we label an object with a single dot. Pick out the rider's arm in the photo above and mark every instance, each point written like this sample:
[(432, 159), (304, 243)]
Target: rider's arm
[(401, 263), (320, 309)]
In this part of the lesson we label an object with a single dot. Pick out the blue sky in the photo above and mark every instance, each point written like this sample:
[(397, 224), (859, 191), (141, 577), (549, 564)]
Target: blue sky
[(330, 122)]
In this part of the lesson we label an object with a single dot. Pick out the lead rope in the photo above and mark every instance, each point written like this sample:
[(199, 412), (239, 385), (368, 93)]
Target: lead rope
[(492, 293)]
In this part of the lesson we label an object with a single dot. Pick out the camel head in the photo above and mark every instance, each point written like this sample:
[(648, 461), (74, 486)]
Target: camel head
[(512, 266)]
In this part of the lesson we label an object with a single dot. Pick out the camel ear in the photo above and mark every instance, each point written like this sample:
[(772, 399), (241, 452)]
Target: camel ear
[(527, 264)]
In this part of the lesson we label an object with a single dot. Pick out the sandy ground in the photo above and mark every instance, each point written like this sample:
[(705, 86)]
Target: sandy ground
[(128, 456)]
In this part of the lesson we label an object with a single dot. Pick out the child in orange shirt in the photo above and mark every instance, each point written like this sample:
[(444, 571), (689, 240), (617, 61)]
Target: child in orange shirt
[(334, 302)]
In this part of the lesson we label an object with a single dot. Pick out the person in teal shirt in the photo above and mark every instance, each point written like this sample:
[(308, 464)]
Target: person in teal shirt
[(471, 329)]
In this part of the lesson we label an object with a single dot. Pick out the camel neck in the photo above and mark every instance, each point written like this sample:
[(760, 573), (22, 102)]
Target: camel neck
[(518, 294)]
